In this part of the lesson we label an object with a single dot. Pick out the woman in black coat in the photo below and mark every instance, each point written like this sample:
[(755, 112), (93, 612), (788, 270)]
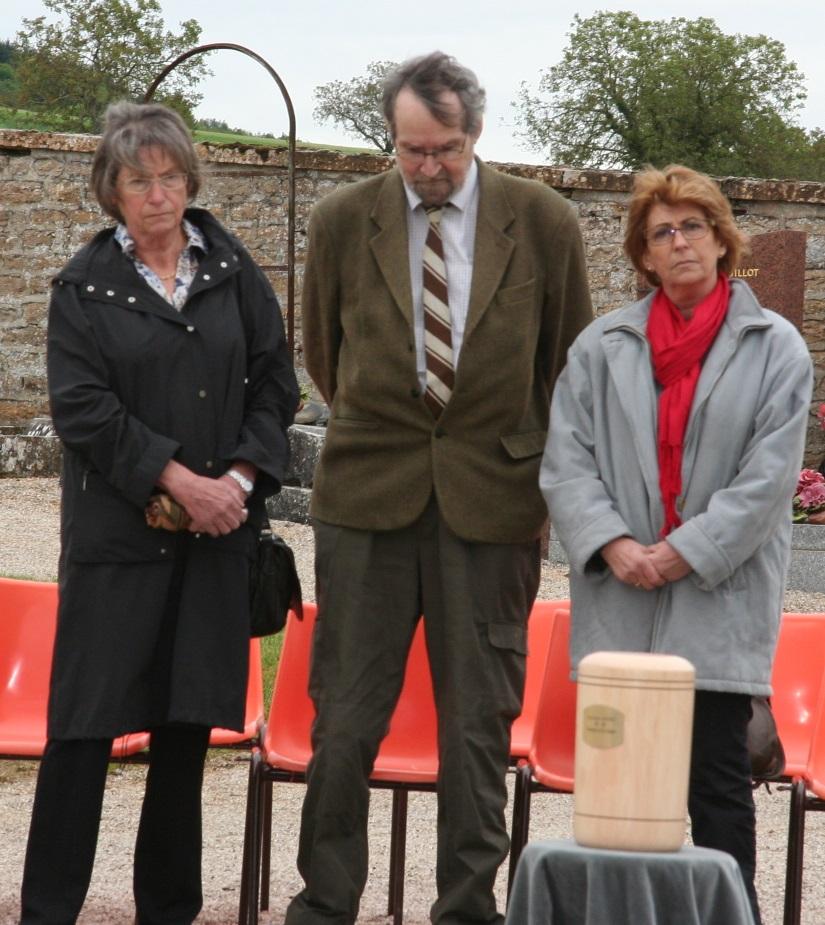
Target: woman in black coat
[(168, 371)]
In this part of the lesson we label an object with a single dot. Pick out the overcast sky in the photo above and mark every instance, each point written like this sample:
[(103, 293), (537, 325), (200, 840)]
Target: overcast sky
[(310, 42)]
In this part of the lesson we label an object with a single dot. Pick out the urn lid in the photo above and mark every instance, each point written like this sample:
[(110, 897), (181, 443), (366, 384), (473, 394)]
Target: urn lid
[(634, 669)]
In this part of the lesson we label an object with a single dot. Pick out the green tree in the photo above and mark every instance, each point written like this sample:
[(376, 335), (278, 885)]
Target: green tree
[(8, 73), (629, 92), (99, 51), (355, 105), (8, 81), (7, 52)]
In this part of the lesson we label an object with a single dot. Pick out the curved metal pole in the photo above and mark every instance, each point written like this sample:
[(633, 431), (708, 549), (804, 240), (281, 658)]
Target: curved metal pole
[(290, 252)]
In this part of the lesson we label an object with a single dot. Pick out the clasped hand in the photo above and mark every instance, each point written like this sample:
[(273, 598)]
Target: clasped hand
[(642, 566), (215, 506)]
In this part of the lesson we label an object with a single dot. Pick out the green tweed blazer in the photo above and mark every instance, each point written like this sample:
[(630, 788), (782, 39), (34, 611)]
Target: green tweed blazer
[(384, 453)]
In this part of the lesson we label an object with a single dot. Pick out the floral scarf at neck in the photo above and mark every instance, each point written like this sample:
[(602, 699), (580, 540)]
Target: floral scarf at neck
[(679, 346)]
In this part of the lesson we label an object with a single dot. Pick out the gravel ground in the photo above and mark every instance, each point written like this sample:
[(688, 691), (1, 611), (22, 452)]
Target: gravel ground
[(29, 514)]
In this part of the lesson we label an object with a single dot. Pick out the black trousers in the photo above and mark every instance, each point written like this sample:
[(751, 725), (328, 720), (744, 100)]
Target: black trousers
[(372, 589), (66, 820), (720, 795)]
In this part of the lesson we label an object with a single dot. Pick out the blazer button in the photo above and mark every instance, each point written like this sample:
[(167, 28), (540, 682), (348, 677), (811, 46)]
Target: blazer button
[(440, 432), (416, 393)]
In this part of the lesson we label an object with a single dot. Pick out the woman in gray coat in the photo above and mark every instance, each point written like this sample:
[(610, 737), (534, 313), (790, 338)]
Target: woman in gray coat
[(168, 371), (675, 443)]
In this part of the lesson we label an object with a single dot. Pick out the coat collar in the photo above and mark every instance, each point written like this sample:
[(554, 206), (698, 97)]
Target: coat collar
[(493, 247), (629, 363), (744, 312), (103, 272), (390, 245)]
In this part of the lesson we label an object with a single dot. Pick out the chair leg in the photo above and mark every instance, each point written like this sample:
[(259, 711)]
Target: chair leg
[(265, 842), (247, 911), (398, 855), (796, 848), (521, 820), (243, 907)]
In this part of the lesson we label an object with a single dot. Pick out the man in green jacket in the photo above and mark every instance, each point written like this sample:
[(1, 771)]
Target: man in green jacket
[(439, 302)]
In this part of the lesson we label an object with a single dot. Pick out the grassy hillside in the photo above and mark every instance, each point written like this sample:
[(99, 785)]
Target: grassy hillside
[(25, 120), (32, 121), (230, 138)]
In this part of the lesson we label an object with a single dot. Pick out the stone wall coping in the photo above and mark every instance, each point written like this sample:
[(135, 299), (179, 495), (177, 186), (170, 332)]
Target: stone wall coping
[(561, 178)]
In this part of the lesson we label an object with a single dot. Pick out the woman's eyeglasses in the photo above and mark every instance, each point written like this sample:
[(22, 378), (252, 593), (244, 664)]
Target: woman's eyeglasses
[(691, 228), (141, 185)]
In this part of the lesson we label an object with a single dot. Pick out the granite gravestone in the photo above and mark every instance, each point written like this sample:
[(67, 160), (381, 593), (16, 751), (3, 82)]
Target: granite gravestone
[(775, 270)]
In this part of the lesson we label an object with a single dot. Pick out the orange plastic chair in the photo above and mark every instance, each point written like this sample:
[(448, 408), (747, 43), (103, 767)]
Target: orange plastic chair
[(797, 679), (798, 704), (539, 630), (550, 761), (28, 619), (254, 714), (407, 759)]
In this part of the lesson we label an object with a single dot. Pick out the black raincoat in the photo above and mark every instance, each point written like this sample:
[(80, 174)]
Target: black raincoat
[(153, 627)]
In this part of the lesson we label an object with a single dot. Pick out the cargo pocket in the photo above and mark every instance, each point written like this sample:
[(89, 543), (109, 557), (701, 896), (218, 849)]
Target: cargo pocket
[(504, 683), (508, 636)]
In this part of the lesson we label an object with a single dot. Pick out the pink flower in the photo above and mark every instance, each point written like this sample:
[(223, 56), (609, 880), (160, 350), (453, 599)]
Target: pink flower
[(809, 477), (810, 495), (813, 496), (821, 415)]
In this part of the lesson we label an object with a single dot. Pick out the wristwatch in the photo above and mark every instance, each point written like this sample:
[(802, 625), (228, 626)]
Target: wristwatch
[(242, 480)]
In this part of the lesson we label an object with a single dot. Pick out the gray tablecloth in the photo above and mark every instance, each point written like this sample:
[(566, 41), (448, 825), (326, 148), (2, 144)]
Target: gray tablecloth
[(562, 883)]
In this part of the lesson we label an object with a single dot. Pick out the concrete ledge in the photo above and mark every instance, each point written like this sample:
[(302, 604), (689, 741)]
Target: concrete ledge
[(290, 504), (28, 455), (305, 443), (805, 571), (34, 450)]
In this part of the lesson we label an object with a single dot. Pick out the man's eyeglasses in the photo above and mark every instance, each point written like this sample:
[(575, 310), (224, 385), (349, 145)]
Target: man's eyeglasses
[(413, 155), (691, 228), (169, 181)]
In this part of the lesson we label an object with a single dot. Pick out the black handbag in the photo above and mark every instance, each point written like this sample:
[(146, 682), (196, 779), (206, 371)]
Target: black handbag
[(764, 746), (274, 586)]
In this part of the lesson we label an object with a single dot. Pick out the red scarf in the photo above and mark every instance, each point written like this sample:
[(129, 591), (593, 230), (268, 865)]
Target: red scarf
[(679, 347)]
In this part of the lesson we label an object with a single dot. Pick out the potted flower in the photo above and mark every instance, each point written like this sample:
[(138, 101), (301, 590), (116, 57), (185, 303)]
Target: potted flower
[(809, 498)]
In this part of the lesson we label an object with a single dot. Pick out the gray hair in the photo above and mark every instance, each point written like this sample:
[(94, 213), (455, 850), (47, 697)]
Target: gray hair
[(429, 76), (130, 127)]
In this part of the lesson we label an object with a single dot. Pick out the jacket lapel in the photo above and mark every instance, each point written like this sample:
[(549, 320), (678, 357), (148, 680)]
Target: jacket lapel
[(390, 245), (743, 314), (628, 360), (493, 247)]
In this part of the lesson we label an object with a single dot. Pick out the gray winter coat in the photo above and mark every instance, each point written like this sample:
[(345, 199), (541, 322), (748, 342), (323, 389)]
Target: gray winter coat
[(742, 454)]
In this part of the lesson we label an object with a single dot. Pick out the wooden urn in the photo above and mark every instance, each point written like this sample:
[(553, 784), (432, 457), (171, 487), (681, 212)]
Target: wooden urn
[(634, 721)]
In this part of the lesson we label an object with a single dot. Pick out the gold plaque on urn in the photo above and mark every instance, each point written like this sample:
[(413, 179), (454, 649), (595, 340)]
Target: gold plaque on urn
[(603, 727)]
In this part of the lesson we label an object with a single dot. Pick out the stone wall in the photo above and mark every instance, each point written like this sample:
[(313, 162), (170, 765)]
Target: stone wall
[(46, 213)]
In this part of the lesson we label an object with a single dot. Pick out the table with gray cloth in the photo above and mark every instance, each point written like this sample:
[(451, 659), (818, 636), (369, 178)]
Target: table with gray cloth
[(562, 883)]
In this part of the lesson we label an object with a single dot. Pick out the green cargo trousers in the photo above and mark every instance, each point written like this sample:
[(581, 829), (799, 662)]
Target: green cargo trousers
[(372, 588)]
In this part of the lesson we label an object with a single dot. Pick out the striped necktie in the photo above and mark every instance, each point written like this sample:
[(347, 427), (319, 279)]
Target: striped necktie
[(438, 335)]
